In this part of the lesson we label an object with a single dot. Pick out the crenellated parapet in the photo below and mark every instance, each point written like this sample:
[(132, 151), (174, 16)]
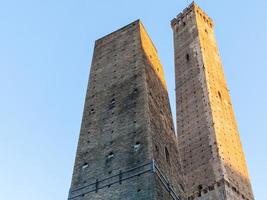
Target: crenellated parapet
[(192, 10)]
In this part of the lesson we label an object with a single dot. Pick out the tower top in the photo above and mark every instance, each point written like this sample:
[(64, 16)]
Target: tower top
[(134, 24), (193, 7)]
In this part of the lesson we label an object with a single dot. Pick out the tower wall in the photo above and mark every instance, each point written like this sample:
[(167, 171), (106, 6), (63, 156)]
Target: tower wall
[(111, 124), (163, 139), (127, 124), (209, 143)]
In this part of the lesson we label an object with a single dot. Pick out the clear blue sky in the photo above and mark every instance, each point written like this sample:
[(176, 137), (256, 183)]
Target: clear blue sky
[(45, 54)]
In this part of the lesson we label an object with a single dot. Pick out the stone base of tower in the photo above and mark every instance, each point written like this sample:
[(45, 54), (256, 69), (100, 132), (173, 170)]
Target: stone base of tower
[(222, 192), (145, 182), (139, 187)]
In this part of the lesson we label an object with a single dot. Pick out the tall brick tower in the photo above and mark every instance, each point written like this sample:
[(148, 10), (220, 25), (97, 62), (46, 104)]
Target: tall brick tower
[(127, 147), (209, 143)]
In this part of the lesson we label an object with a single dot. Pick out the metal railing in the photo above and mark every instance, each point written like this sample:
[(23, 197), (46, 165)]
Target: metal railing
[(122, 176)]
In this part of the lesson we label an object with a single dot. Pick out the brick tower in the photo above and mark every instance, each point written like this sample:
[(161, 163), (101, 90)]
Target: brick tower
[(127, 146), (209, 144)]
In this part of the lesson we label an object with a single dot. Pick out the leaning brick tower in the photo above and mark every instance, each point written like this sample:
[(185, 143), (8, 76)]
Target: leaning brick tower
[(127, 146), (209, 144)]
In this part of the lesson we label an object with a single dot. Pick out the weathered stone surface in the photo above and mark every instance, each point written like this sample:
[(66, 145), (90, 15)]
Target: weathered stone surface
[(126, 123), (127, 146), (209, 144)]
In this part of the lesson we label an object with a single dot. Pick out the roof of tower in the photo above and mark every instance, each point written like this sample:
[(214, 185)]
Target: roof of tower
[(192, 7), (136, 22)]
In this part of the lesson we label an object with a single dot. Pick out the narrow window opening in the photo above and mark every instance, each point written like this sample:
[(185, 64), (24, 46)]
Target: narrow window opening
[(110, 155), (85, 165), (187, 57), (234, 189), (136, 146), (220, 96), (113, 101), (157, 148), (112, 104), (167, 155)]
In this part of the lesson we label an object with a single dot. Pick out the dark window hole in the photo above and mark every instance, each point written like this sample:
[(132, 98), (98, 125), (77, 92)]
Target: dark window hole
[(187, 57)]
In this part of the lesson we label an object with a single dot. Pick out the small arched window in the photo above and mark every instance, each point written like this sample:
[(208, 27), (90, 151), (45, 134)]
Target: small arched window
[(110, 155), (136, 146), (85, 165)]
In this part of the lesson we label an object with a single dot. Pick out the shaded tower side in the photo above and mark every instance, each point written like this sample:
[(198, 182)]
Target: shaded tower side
[(115, 157), (211, 152), (161, 128)]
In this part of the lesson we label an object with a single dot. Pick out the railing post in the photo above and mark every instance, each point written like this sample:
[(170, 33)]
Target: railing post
[(120, 176), (169, 188), (153, 166), (96, 185)]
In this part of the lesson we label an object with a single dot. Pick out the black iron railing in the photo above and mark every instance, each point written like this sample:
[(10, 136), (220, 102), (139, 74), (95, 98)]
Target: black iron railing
[(118, 178)]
